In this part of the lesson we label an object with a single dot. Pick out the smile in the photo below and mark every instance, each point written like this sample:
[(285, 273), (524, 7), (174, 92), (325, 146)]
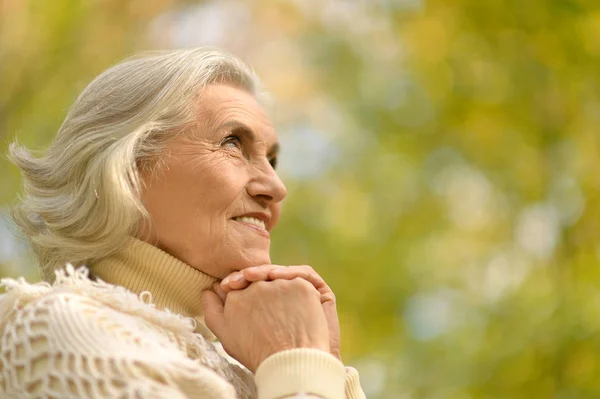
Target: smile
[(254, 223), (251, 220)]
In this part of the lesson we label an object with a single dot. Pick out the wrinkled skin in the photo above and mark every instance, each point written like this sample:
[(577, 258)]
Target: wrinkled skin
[(241, 280), (220, 169), (211, 173)]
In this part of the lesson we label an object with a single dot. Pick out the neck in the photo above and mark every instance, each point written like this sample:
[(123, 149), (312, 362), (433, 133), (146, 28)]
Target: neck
[(139, 267)]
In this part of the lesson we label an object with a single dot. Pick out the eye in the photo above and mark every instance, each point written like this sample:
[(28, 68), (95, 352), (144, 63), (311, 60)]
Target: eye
[(273, 162), (232, 141)]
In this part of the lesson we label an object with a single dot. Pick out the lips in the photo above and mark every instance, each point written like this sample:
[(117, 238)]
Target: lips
[(257, 221), (251, 220)]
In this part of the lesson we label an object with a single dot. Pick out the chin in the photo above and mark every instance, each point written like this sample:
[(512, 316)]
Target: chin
[(257, 258)]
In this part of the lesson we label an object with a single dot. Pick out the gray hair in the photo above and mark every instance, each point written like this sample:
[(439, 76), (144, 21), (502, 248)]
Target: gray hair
[(81, 200)]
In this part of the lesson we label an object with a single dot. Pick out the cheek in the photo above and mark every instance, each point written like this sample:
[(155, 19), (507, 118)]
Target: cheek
[(223, 185)]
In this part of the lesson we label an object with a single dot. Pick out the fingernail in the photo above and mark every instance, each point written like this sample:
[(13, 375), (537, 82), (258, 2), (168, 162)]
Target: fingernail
[(225, 280), (237, 277)]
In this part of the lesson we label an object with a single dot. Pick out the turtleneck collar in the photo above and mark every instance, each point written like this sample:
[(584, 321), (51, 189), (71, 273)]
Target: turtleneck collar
[(173, 284)]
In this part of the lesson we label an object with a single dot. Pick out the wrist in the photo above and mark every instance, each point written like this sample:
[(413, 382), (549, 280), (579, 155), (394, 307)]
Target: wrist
[(336, 353)]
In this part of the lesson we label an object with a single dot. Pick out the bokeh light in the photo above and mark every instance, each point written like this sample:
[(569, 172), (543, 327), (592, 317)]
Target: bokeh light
[(441, 160)]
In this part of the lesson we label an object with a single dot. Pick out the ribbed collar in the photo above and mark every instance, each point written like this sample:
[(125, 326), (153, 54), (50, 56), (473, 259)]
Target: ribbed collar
[(173, 284)]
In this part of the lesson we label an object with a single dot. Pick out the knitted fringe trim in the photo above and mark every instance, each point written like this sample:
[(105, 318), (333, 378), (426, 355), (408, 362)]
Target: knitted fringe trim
[(76, 280)]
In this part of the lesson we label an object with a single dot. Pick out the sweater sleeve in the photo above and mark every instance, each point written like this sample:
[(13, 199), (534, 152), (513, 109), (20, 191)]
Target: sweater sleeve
[(70, 346), (310, 372), (353, 388)]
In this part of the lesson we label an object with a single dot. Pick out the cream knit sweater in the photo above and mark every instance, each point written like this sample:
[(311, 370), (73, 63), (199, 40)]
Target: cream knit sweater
[(137, 332)]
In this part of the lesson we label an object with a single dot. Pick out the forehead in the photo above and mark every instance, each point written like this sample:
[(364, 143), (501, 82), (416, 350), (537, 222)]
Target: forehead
[(220, 104)]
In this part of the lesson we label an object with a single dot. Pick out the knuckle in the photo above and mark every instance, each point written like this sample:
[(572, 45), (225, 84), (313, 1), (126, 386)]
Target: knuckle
[(234, 296), (284, 284), (302, 284), (313, 273), (261, 286), (307, 269), (234, 299), (329, 297)]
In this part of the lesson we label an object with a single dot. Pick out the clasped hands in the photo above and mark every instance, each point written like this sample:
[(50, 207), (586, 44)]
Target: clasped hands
[(265, 309)]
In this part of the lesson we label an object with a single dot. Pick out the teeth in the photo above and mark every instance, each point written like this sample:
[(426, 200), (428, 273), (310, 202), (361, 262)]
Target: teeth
[(251, 220)]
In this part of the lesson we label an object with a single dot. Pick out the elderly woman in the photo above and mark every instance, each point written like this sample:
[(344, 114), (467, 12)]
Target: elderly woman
[(162, 181)]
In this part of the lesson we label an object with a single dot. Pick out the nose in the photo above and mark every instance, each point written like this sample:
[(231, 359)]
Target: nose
[(266, 185)]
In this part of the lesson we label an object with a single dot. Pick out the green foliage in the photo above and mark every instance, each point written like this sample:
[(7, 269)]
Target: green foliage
[(442, 168)]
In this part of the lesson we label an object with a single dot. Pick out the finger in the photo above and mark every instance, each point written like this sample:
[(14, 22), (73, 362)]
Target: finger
[(219, 291), (234, 277), (242, 279), (213, 311), (305, 272), (310, 275), (259, 273), (238, 282)]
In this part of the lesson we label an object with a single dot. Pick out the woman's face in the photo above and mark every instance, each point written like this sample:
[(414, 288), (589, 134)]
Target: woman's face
[(215, 196)]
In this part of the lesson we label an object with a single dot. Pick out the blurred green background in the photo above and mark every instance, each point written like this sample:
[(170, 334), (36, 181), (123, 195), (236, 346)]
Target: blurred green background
[(442, 160)]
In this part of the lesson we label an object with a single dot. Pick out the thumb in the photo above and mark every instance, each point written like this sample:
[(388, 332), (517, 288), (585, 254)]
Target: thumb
[(213, 311)]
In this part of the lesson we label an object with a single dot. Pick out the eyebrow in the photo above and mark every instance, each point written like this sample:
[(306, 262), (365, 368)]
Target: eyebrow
[(243, 129)]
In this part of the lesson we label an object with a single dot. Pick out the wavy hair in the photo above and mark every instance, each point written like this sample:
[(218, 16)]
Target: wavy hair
[(82, 198)]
